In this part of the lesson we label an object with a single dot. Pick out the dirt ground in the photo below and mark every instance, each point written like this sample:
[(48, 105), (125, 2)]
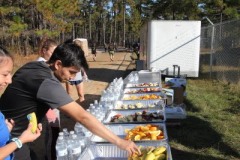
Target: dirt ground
[(101, 73)]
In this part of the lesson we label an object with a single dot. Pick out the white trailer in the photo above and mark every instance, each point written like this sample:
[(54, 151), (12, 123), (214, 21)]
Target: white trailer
[(166, 43)]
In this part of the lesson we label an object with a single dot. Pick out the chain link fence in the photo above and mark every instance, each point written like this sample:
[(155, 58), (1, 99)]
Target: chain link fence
[(220, 52)]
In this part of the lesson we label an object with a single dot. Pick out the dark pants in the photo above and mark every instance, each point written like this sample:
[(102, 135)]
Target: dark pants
[(25, 153)]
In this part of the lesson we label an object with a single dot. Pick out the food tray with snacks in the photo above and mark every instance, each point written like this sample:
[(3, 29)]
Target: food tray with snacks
[(141, 90), (108, 151), (144, 96), (145, 84), (137, 132), (123, 105), (135, 116)]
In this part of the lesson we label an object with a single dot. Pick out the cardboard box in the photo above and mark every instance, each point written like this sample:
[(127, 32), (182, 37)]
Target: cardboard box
[(178, 85), (178, 95), (84, 45), (170, 95)]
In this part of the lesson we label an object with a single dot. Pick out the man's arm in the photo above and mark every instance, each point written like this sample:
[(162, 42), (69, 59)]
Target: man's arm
[(91, 123)]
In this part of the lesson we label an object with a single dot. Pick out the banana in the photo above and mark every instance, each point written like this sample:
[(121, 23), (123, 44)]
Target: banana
[(150, 156), (159, 150), (160, 157), (33, 120)]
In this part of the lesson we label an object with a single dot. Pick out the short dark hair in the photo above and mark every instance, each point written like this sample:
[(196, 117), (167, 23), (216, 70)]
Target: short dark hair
[(70, 55)]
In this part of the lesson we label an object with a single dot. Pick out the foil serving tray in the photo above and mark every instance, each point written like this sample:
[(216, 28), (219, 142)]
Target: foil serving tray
[(119, 130), (144, 96), (107, 151), (139, 104), (142, 85), (141, 90), (128, 113)]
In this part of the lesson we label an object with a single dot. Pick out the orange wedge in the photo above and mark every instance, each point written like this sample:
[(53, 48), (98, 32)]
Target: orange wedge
[(153, 128), (154, 134), (137, 138)]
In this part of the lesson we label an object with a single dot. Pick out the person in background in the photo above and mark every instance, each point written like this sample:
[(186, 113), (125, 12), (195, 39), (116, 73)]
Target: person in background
[(9, 144), (105, 47), (111, 49), (94, 51), (37, 86), (136, 47), (53, 117), (46, 49), (77, 81)]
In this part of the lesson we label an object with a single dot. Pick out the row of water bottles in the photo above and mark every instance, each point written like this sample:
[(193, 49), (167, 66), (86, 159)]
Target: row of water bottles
[(70, 145), (97, 110), (133, 77), (112, 93)]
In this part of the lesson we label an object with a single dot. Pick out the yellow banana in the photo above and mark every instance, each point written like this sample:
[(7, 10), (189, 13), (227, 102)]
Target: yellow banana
[(159, 150), (160, 157), (33, 120)]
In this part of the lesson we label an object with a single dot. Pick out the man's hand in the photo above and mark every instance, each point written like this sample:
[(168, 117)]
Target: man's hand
[(129, 146)]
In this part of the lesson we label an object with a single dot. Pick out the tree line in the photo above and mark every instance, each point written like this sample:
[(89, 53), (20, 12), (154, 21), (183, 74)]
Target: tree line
[(25, 23)]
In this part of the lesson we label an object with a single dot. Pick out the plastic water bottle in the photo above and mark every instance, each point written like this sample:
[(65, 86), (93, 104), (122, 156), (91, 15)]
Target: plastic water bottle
[(96, 103), (74, 148), (61, 149), (65, 133), (78, 129), (71, 133), (60, 134)]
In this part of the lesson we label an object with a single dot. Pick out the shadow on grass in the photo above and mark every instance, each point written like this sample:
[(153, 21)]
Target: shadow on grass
[(196, 133), (190, 106)]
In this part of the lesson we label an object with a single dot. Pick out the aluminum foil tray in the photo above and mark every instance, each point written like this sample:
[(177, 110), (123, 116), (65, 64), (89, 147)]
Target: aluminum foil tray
[(142, 85), (154, 104), (143, 96), (141, 90), (119, 130), (129, 113), (107, 151)]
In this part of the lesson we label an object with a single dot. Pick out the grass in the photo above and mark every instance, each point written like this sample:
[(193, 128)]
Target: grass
[(212, 129)]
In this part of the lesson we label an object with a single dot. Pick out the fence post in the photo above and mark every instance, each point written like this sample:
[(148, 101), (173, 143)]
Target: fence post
[(212, 41), (212, 50)]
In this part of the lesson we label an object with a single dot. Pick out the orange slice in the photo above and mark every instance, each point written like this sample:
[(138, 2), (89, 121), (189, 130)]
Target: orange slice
[(154, 134), (137, 138)]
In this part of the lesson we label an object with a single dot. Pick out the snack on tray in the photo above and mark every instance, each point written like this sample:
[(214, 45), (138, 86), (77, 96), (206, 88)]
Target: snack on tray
[(142, 97), (138, 105), (138, 117), (155, 84), (150, 153), (143, 90), (146, 132)]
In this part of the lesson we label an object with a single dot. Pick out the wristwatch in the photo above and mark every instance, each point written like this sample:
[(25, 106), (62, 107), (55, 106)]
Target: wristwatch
[(17, 141)]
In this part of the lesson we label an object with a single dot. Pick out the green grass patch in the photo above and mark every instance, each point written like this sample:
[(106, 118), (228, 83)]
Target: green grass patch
[(212, 128)]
